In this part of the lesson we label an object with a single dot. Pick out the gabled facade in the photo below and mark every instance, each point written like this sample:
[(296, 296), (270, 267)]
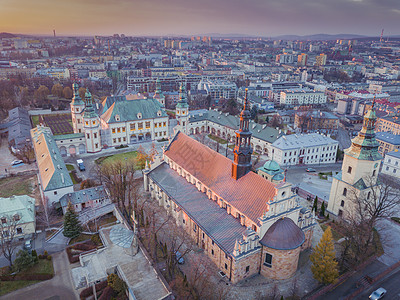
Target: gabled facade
[(229, 211)]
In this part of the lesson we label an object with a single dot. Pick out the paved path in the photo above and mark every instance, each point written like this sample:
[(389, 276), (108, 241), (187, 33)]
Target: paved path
[(59, 287), (390, 237)]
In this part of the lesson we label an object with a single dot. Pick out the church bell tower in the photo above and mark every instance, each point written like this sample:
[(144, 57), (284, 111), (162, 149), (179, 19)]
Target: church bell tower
[(242, 152)]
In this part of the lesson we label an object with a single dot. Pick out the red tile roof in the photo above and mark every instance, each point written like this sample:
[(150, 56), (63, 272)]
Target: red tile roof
[(249, 194)]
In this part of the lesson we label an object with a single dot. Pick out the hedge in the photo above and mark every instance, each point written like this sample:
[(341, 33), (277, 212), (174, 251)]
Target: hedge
[(29, 277)]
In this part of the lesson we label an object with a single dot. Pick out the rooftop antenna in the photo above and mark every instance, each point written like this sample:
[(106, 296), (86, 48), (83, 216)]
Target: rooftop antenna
[(381, 39), (54, 32)]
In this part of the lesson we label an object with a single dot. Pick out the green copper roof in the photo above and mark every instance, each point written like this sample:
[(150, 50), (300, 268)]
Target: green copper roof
[(89, 110), (364, 146), (129, 110), (76, 100)]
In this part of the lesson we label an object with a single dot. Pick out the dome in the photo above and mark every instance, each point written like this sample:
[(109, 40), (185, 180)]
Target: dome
[(272, 165), (284, 234)]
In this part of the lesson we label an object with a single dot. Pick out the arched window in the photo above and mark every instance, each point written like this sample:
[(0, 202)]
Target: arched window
[(344, 192), (369, 195), (342, 203), (374, 173), (349, 169)]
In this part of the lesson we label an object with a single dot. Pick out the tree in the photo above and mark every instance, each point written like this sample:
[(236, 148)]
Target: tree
[(364, 209), (315, 205), (67, 92), (82, 92), (322, 211), (9, 231), (116, 283), (141, 158), (72, 225), (41, 94), (46, 213), (57, 90), (276, 121), (88, 183), (253, 112), (23, 260), (324, 265)]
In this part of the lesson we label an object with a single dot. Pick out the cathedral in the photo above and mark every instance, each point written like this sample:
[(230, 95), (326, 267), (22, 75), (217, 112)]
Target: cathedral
[(360, 169), (246, 223), (118, 120)]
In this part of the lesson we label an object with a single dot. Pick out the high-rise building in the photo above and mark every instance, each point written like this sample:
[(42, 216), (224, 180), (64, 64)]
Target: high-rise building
[(302, 59), (320, 60)]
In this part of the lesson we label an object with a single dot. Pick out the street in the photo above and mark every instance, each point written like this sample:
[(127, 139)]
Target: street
[(343, 138), (390, 283)]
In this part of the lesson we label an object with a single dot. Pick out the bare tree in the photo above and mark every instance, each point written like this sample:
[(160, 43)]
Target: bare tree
[(46, 213), (375, 202), (10, 229)]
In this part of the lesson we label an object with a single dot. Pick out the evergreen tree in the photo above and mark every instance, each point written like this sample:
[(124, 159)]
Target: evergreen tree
[(324, 265), (322, 211), (315, 205), (72, 225)]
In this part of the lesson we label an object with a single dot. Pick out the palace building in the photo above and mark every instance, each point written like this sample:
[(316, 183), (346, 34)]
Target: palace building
[(245, 223)]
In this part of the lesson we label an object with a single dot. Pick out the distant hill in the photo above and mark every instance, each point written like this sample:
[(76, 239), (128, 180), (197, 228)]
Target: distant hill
[(6, 35), (319, 37)]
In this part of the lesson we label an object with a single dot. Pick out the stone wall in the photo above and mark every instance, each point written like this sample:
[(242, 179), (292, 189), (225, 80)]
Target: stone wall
[(284, 263)]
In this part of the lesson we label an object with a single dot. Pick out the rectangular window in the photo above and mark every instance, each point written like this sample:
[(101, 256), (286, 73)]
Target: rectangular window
[(113, 130), (88, 135), (247, 269), (19, 230), (55, 192), (194, 227), (140, 125), (124, 139), (94, 122), (147, 124), (212, 251), (203, 235), (268, 260), (165, 124), (119, 140), (226, 267), (114, 140), (155, 125), (95, 135), (119, 129), (123, 129), (132, 125), (212, 242), (349, 169), (97, 145), (79, 121)]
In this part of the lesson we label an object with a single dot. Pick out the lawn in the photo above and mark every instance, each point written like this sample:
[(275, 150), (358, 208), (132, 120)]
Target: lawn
[(82, 237), (35, 121), (116, 157), (18, 185), (336, 235), (70, 167), (72, 178), (217, 139), (44, 266), (9, 286)]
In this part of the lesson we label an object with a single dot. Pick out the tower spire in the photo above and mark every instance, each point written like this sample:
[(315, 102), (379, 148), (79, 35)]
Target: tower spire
[(242, 152)]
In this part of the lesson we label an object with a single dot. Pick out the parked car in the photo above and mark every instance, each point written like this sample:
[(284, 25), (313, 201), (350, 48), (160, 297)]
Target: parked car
[(179, 258), (310, 170), (378, 294), (80, 164), (16, 162), (28, 245)]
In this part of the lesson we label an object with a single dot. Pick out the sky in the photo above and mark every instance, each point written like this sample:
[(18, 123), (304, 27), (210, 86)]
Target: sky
[(266, 18)]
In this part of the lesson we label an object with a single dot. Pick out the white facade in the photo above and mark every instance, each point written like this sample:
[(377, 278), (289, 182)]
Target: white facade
[(391, 164), (218, 88), (306, 149), (302, 97)]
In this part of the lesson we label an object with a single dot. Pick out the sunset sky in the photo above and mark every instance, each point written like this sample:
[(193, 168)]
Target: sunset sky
[(174, 17)]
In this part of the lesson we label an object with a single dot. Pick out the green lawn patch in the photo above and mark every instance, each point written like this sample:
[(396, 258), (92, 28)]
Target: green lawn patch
[(82, 237), (117, 157), (10, 286), (35, 121), (217, 139), (44, 266), (70, 167), (18, 185), (72, 178)]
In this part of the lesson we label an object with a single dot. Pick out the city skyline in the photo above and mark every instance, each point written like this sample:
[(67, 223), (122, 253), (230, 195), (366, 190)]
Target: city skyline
[(178, 17)]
